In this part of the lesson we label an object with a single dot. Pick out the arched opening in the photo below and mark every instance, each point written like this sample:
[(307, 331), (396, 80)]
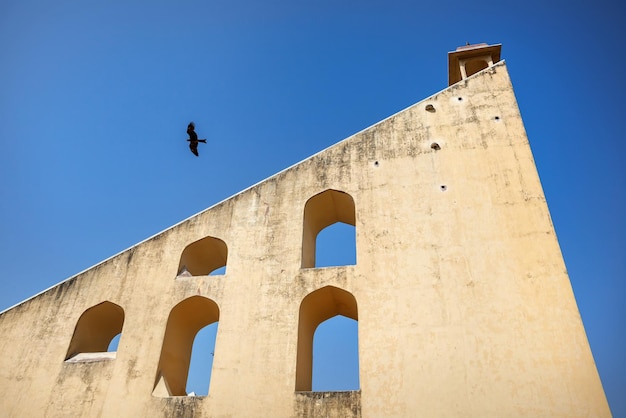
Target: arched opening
[(184, 322), (317, 307), (203, 257), (95, 330), (336, 355), (320, 211)]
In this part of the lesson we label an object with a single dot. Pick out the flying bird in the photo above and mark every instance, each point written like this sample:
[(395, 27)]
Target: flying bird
[(193, 138)]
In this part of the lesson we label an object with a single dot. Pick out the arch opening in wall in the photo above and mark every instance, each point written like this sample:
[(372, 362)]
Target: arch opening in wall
[(183, 324), (317, 307), (321, 211), (203, 257), (95, 330)]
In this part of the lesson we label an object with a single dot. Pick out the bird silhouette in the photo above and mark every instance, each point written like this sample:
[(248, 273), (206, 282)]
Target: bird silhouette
[(193, 138)]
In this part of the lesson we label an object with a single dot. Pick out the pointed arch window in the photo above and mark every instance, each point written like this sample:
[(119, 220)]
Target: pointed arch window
[(317, 307), (94, 331), (203, 257), (184, 322), (321, 211)]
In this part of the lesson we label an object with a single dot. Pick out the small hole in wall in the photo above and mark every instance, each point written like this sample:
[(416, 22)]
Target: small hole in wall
[(435, 146), (375, 163), (497, 118), (443, 187), (430, 108), (460, 99)]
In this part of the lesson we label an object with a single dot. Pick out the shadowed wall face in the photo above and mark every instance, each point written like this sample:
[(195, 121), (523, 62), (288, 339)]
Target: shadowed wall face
[(316, 308)]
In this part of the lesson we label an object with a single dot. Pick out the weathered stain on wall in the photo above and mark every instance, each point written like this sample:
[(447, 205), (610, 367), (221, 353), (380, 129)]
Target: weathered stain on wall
[(328, 404)]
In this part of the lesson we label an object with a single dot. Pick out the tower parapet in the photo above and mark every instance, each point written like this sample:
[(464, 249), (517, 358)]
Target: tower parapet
[(469, 59)]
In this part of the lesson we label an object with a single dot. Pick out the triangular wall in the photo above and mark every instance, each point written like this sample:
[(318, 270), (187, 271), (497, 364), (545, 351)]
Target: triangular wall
[(463, 303)]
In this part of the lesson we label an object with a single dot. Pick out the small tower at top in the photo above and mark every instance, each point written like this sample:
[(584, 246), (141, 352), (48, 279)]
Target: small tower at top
[(470, 59)]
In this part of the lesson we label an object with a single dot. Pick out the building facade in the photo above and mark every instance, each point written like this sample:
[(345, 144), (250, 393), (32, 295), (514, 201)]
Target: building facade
[(461, 294)]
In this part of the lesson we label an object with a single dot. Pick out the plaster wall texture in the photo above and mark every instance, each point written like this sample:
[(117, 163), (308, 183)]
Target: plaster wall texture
[(464, 303)]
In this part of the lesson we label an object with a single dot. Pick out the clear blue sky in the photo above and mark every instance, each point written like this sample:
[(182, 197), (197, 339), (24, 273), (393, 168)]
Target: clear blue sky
[(95, 97)]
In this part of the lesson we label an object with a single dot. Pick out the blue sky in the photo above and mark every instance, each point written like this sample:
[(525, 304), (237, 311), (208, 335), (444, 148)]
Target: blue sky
[(95, 98)]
